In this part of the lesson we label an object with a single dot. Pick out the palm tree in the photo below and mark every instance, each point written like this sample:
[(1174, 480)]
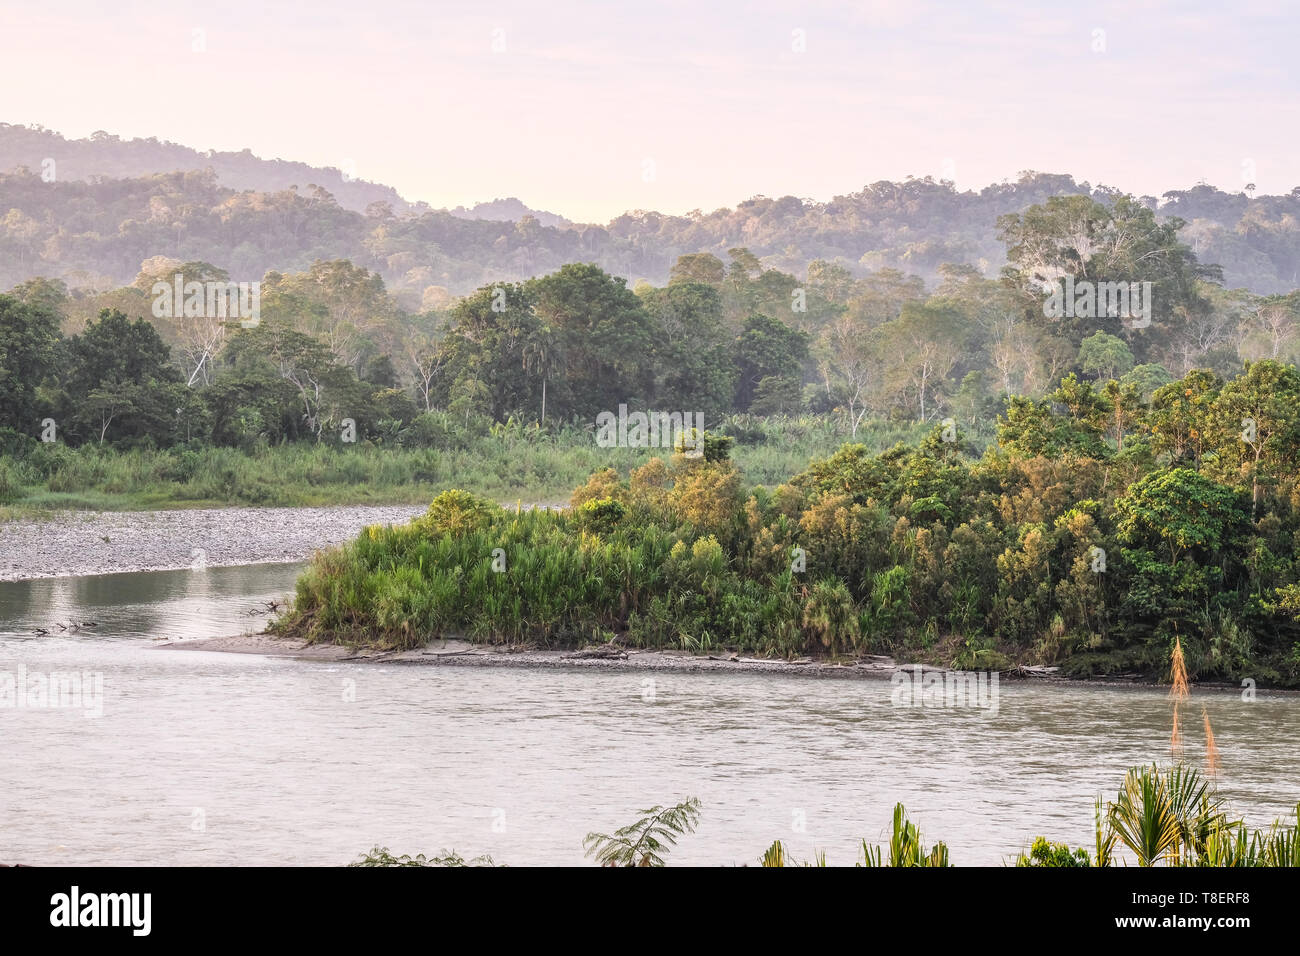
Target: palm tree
[(1142, 817), (830, 614), (543, 351), (1173, 815)]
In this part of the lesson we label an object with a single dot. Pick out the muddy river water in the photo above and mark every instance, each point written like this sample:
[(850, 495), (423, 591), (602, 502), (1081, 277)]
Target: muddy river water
[(210, 758)]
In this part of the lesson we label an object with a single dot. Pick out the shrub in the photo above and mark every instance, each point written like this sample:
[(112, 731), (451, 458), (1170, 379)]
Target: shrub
[(600, 515), (602, 485), (1045, 853), (456, 512), (10, 488)]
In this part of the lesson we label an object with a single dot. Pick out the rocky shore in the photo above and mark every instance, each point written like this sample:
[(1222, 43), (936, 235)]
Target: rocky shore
[(104, 542)]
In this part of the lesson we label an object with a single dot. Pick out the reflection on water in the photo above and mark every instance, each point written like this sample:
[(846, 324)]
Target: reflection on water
[(154, 604), (206, 758)]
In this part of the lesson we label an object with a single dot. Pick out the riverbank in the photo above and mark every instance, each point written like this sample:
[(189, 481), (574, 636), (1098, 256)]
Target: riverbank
[(460, 653), (76, 543)]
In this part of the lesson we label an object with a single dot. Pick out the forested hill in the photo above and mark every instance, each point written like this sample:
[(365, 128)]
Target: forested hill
[(105, 156), (250, 216)]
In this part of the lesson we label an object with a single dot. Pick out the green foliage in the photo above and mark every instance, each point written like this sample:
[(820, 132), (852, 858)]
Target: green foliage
[(906, 847), (1114, 238), (695, 364), (1146, 379), (600, 515), (456, 513), (1030, 429), (1175, 817), (717, 448), (10, 488), (910, 541), (983, 564), (380, 856), (1105, 836), (916, 224), (1105, 356), (644, 842), (1180, 510), (768, 358), (1044, 853), (506, 465), (774, 856), (29, 339), (1165, 816), (830, 616), (120, 384)]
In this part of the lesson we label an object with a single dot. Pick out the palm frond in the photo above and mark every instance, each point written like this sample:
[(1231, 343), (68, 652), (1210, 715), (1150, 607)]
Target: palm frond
[(645, 842)]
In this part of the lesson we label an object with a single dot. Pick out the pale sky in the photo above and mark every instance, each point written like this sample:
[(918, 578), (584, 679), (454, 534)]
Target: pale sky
[(590, 109)]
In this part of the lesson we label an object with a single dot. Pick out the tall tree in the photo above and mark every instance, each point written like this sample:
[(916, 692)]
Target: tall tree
[(29, 342), (693, 357), (767, 348), (924, 343), (120, 379), (604, 339)]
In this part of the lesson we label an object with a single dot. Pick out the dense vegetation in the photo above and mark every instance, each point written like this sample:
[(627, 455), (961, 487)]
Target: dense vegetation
[(1142, 484), (1056, 546), (336, 357)]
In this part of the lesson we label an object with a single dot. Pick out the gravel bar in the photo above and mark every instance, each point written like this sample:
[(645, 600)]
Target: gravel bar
[(105, 542)]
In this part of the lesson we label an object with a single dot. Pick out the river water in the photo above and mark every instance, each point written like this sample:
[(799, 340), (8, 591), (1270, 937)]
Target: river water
[(209, 758)]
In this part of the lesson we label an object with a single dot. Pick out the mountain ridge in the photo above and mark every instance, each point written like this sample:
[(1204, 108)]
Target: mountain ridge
[(269, 215)]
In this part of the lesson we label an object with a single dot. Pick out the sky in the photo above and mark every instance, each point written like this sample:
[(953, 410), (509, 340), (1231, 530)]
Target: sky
[(591, 109)]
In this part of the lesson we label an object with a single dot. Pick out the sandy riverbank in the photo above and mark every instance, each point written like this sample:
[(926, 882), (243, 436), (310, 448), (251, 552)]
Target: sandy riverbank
[(459, 653), (103, 542)]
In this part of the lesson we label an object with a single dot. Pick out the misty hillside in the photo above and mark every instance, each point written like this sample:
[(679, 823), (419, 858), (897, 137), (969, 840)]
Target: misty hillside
[(251, 216), (103, 155), (508, 210)]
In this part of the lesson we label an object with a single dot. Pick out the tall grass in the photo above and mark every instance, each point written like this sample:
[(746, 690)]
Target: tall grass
[(504, 462)]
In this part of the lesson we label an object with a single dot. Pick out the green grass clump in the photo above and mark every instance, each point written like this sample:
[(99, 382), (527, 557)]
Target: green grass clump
[(505, 463)]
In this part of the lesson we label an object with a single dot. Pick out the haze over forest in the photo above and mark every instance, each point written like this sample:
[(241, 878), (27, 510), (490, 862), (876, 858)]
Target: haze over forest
[(92, 211)]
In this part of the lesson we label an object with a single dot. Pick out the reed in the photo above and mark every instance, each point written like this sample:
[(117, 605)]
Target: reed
[(1178, 691)]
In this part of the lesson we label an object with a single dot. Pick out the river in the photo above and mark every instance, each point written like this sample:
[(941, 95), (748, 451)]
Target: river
[(212, 758)]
